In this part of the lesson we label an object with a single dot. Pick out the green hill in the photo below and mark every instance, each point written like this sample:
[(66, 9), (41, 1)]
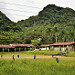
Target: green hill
[(4, 22), (51, 24), (8, 29)]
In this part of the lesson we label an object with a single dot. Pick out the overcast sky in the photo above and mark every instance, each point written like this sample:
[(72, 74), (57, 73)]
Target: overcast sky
[(17, 10)]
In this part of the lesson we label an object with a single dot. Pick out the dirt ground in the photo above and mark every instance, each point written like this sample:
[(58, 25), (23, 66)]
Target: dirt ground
[(39, 56)]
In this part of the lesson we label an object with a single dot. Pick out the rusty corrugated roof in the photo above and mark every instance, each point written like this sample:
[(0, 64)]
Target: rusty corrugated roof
[(22, 45), (44, 45), (6, 46), (65, 43)]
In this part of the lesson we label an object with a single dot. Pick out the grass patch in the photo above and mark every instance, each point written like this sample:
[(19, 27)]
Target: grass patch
[(43, 52), (71, 54), (37, 67)]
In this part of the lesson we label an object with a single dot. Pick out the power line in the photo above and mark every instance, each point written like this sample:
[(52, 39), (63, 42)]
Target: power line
[(20, 5), (18, 10)]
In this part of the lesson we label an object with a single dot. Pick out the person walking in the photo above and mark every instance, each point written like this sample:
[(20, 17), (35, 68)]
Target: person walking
[(57, 60)]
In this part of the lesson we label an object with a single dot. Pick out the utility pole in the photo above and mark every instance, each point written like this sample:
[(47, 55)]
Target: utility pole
[(63, 43)]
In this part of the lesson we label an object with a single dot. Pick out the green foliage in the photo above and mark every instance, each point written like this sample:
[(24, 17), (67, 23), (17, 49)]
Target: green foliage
[(37, 67), (51, 25), (35, 43)]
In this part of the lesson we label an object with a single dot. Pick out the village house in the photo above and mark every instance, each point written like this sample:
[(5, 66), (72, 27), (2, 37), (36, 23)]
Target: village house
[(24, 47), (70, 46), (6, 48), (16, 47)]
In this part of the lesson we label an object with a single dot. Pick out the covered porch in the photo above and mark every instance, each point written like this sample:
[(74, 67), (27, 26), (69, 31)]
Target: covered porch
[(6, 48), (23, 47), (70, 46)]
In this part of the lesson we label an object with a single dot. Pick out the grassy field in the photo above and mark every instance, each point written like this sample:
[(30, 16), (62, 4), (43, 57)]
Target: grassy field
[(71, 54), (37, 67), (43, 52)]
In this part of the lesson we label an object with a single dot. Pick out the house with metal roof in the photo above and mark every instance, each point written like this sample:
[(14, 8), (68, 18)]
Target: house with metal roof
[(6, 48), (63, 46), (16, 47), (23, 46)]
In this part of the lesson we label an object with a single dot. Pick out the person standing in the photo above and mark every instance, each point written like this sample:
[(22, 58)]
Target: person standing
[(57, 60), (52, 55), (18, 55), (13, 56), (1, 55), (60, 49), (34, 56)]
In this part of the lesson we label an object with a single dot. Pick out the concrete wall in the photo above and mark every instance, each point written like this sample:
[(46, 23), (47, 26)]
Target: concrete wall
[(58, 48), (70, 47), (44, 48)]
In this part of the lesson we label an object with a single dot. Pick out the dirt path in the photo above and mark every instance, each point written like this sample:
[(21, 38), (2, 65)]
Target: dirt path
[(30, 57)]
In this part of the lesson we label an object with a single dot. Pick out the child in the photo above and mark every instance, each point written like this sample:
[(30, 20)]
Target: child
[(60, 49), (18, 55), (62, 54), (1, 55), (57, 60), (34, 56), (13, 56), (52, 55), (40, 49)]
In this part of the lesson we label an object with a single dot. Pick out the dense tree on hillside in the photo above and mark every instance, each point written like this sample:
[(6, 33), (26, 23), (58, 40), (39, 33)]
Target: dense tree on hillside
[(36, 43), (51, 25)]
